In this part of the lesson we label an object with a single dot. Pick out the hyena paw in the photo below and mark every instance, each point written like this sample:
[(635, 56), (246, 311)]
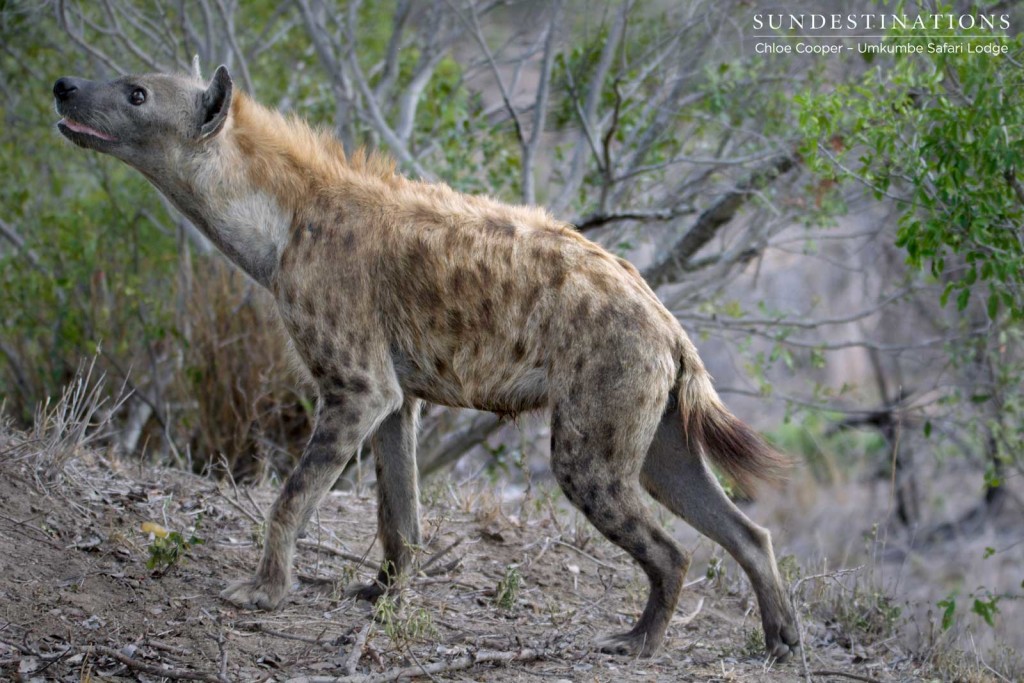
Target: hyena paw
[(630, 644), (781, 641), (370, 592), (255, 593)]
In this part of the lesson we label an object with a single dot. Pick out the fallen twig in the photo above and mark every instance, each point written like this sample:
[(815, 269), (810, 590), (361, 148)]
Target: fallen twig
[(354, 655), (856, 677), (151, 669), (438, 555), (796, 613), (352, 557), (458, 663), (602, 563), (238, 506)]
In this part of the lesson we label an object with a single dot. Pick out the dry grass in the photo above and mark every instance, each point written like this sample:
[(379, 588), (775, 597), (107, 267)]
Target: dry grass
[(64, 429), (243, 409)]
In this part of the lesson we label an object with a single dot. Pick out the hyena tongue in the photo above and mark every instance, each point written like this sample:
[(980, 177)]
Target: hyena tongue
[(82, 128)]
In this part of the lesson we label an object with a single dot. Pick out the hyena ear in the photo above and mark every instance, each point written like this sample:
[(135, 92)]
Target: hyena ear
[(215, 104)]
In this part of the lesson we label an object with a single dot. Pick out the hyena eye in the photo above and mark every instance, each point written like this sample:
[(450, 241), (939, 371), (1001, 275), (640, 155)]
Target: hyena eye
[(137, 97)]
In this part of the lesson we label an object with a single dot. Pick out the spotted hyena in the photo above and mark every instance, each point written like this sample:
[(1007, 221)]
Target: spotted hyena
[(396, 292)]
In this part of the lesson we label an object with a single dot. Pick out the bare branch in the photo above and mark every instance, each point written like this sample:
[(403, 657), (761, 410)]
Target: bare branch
[(228, 17), (77, 39), (714, 217), (596, 220), (540, 106), (457, 444), (11, 235), (587, 112)]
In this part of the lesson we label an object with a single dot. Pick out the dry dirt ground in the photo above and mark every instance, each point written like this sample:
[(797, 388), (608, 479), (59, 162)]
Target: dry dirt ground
[(78, 602)]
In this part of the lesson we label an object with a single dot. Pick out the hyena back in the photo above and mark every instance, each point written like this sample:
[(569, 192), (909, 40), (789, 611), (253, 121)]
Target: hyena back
[(396, 292)]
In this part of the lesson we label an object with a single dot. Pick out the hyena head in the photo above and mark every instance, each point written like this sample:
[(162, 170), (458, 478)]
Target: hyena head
[(157, 123)]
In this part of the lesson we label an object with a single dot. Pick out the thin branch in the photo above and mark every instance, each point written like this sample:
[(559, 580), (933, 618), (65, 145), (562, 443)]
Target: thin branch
[(714, 217), (587, 112), (62, 21), (540, 107), (596, 220), (457, 444), (11, 235), (458, 663)]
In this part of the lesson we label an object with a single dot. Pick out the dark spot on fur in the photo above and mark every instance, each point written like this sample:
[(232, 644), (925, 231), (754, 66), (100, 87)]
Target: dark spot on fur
[(500, 228), (348, 241), (334, 399), (323, 437), (429, 299), (453, 319), (309, 305), (677, 557), (485, 273), (518, 350), (345, 358), (608, 433), (630, 525), (359, 385), (607, 373), (557, 276), (487, 315), (578, 366), (460, 284), (332, 318), (295, 485), (614, 489), (315, 231), (318, 457), (349, 417)]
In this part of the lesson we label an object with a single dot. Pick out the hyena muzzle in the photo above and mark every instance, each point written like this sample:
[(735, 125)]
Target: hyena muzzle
[(396, 292)]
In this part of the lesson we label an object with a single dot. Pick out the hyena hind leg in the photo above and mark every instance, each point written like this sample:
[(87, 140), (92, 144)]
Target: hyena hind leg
[(398, 508), (677, 477), (601, 482)]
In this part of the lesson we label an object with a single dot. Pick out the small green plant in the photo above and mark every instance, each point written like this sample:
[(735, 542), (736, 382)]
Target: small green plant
[(258, 533), (716, 572), (168, 548), (507, 591), (418, 625), (983, 603), (789, 568), (753, 644)]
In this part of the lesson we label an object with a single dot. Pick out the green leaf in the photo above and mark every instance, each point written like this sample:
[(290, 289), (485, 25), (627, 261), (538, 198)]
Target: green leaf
[(948, 609)]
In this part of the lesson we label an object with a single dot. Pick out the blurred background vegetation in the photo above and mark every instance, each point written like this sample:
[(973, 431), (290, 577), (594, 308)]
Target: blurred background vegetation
[(842, 236)]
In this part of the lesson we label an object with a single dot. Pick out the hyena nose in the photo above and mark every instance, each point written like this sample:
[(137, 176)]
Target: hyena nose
[(64, 88)]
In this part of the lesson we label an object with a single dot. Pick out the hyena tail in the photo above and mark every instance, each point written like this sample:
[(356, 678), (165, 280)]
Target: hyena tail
[(728, 442)]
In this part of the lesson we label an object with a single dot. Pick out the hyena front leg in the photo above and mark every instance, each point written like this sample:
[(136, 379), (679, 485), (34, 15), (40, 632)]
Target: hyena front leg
[(398, 498), (350, 409)]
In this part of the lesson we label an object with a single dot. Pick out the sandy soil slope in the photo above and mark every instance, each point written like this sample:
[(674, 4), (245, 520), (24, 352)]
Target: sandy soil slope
[(78, 603)]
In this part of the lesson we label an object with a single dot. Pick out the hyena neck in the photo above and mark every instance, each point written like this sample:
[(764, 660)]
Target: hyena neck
[(296, 166), (264, 171)]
